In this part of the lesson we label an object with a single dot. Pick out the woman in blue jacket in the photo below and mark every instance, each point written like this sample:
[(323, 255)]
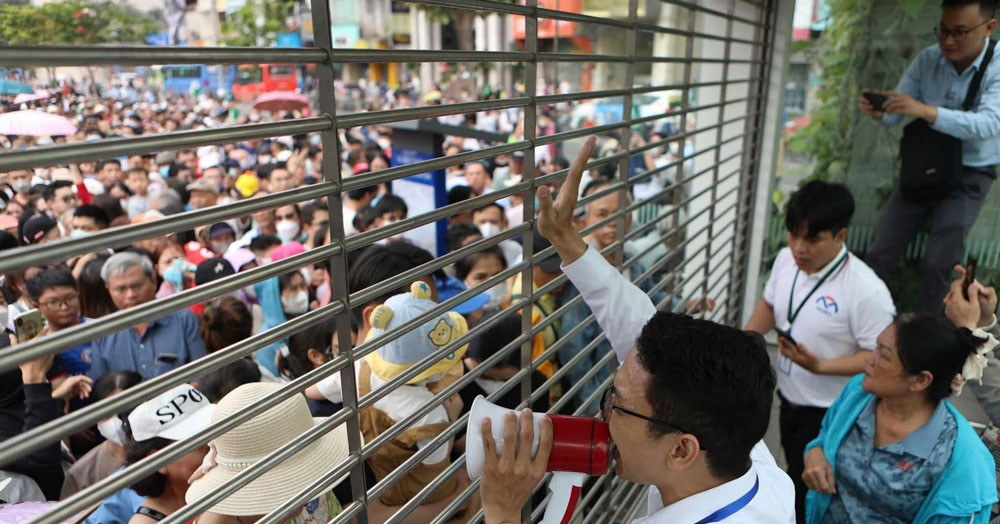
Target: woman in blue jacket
[(892, 449)]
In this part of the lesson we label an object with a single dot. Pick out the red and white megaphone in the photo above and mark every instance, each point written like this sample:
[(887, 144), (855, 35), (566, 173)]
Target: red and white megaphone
[(580, 448)]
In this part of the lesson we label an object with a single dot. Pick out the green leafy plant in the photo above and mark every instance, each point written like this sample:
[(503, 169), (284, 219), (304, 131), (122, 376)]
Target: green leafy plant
[(73, 22), (256, 23)]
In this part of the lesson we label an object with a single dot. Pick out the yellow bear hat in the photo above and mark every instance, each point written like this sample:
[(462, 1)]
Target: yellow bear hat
[(431, 337)]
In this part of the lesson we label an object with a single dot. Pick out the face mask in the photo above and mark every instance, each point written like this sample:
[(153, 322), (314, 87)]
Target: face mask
[(297, 304), (78, 233), (288, 230), (245, 164), (22, 187), (113, 430), (497, 293), (219, 247), (316, 140), (164, 171), (489, 229)]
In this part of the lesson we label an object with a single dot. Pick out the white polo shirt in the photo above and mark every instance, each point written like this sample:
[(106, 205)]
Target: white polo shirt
[(773, 499), (622, 309), (842, 316)]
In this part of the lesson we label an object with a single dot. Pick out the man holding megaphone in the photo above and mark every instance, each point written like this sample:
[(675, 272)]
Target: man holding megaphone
[(688, 409)]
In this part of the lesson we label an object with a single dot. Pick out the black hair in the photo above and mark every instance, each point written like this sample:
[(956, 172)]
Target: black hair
[(418, 255), (987, 7), (111, 205), (263, 242), (224, 322), (49, 191), (154, 484), (389, 203), (95, 301), (714, 381), (297, 363), (495, 338), (48, 279), (459, 194), (594, 185), (486, 166), (820, 206), (361, 192), (99, 216), (376, 264), (932, 343), (102, 163), (464, 265), (218, 383), (309, 209), (7, 241), (484, 207), (112, 380), (560, 162), (364, 218), (459, 232)]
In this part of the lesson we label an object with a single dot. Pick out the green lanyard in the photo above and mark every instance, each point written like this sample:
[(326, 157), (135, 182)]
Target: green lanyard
[(791, 294)]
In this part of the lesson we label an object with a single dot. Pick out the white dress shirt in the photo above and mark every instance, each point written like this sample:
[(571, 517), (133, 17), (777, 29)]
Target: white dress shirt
[(843, 316), (622, 309)]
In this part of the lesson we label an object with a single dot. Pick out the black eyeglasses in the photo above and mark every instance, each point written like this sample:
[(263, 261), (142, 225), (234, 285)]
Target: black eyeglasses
[(607, 406), (959, 35)]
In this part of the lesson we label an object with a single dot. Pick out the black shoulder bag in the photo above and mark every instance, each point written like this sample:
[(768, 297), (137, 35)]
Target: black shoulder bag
[(931, 161)]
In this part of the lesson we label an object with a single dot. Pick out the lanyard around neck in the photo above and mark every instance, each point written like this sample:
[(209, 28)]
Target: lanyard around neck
[(791, 294), (733, 506)]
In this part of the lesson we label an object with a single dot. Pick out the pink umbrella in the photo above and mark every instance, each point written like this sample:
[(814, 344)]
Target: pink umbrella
[(35, 123), (37, 95), (280, 101)]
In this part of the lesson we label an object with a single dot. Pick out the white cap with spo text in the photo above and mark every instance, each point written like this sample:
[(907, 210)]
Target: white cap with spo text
[(174, 415)]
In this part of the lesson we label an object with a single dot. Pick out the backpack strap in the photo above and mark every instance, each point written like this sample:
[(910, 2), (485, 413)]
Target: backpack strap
[(977, 79)]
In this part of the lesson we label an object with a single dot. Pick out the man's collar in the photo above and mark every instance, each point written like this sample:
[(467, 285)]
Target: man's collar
[(975, 63), (700, 505)]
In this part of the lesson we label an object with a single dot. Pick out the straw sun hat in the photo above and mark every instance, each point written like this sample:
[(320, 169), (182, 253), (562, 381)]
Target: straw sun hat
[(247, 444)]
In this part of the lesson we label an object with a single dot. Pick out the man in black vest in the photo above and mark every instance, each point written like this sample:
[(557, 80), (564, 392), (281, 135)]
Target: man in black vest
[(933, 92)]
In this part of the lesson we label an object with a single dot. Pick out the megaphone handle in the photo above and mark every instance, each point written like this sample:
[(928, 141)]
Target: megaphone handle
[(565, 488)]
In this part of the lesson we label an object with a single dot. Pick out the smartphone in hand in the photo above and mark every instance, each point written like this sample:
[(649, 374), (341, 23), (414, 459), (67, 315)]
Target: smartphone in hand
[(970, 274), (877, 100), (28, 325)]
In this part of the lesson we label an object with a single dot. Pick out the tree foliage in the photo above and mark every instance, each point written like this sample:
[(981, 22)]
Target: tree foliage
[(256, 23), (73, 22)]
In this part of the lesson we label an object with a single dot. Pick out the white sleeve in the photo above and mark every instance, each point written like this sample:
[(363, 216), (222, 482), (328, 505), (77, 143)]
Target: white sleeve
[(621, 308), (871, 316), (437, 415), (330, 388)]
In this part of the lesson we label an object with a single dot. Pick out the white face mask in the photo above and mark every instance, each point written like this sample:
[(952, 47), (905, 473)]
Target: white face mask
[(113, 430), (297, 304), (497, 294), (288, 230), (489, 229)]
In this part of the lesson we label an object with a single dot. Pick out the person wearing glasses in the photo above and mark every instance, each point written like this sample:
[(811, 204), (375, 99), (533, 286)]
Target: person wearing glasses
[(687, 410), (932, 93), (54, 293)]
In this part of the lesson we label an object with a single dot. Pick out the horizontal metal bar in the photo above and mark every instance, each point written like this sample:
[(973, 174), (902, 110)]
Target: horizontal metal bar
[(483, 6), (653, 89), (572, 97), (581, 18), (377, 56), (53, 343), (44, 254), (416, 113), (132, 55), (426, 166), (714, 12), (45, 156), (653, 28), (574, 57), (42, 434)]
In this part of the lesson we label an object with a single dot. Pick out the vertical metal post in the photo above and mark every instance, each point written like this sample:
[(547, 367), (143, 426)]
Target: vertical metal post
[(764, 49), (323, 39), (678, 196), (626, 145), (718, 149)]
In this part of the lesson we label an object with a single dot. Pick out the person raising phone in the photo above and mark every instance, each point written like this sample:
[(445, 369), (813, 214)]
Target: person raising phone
[(828, 308), (949, 151)]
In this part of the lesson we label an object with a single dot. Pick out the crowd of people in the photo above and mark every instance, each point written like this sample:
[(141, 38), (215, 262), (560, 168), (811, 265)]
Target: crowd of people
[(866, 428), (45, 205)]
